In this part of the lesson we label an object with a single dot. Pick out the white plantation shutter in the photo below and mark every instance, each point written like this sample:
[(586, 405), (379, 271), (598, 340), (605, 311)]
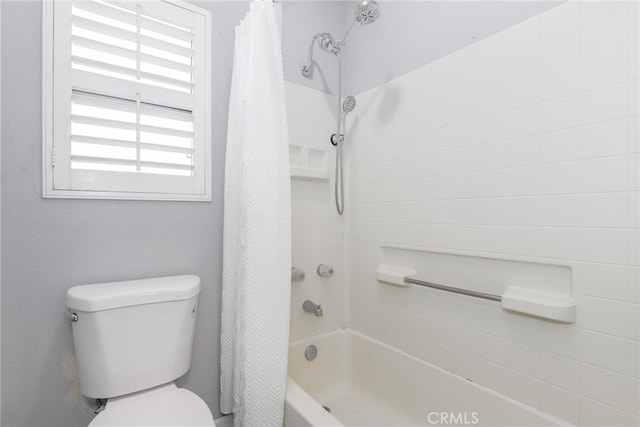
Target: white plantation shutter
[(131, 100)]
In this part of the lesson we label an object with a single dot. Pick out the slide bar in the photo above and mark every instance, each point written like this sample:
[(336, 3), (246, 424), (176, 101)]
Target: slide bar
[(453, 290)]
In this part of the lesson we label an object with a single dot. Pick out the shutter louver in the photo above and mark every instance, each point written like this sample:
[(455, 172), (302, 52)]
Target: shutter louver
[(136, 137), (115, 128), (145, 49)]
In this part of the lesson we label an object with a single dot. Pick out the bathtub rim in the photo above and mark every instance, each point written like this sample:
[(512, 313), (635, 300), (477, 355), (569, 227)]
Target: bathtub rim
[(299, 403)]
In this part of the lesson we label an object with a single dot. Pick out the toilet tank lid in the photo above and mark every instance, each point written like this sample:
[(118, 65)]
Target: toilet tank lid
[(105, 296)]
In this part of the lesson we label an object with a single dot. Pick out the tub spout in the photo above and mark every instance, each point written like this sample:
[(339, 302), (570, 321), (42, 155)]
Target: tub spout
[(311, 307)]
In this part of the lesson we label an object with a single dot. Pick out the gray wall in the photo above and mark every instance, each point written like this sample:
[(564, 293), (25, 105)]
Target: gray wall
[(50, 245), (410, 34)]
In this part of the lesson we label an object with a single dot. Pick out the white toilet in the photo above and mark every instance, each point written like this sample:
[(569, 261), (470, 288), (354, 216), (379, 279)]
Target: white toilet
[(132, 340)]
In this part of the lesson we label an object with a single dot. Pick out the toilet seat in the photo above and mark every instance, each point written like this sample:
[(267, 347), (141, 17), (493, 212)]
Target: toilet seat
[(166, 405)]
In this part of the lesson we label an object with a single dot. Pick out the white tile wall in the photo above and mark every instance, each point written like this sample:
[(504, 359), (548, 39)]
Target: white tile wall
[(523, 144), (318, 234)]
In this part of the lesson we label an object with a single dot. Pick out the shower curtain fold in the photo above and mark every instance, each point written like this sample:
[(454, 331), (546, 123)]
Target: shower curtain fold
[(257, 228)]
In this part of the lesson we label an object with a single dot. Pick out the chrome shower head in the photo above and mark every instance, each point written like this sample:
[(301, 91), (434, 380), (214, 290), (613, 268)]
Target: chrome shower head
[(367, 11), (349, 104)]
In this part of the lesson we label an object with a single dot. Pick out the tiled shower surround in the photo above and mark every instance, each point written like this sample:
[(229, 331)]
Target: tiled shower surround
[(318, 231), (521, 146)]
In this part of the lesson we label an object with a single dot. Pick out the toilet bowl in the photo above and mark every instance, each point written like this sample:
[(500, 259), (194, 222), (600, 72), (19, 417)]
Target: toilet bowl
[(132, 340)]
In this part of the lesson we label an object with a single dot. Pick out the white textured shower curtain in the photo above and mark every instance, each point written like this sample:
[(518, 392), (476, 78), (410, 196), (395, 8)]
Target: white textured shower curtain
[(257, 228)]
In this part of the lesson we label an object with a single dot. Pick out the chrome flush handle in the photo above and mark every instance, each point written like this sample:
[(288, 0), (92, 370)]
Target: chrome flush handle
[(71, 316)]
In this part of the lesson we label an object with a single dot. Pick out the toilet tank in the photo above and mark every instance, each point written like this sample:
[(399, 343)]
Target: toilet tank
[(134, 335)]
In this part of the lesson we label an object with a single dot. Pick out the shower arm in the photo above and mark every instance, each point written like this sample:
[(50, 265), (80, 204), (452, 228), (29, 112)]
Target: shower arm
[(342, 42), (306, 69)]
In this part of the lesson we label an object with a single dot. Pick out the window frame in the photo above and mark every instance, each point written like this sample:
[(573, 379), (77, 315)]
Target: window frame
[(202, 115)]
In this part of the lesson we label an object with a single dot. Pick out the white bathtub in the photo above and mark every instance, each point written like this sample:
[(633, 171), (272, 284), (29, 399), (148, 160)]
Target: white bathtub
[(367, 383)]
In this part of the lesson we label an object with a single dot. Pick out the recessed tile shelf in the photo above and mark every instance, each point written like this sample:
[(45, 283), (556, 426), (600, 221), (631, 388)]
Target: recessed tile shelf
[(308, 163)]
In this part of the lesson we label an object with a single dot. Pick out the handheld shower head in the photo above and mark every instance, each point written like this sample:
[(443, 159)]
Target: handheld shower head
[(367, 11), (349, 104)]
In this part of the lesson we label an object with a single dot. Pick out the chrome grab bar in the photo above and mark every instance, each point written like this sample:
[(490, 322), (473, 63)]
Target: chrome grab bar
[(454, 290)]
